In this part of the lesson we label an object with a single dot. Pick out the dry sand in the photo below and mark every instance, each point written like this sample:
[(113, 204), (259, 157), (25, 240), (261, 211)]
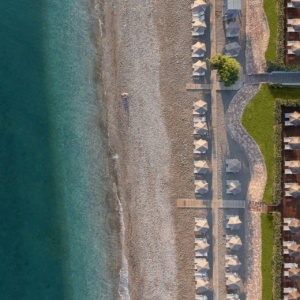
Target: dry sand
[(147, 54)]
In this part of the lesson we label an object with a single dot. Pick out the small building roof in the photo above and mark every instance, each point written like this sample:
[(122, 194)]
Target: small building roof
[(295, 116), (233, 28), (294, 190), (201, 186), (233, 48), (295, 142), (200, 167), (234, 187), (201, 145), (294, 273), (200, 107), (233, 281), (293, 295), (294, 250), (202, 285), (232, 5), (233, 263), (200, 128), (235, 243), (202, 265), (201, 225), (198, 49), (234, 165)]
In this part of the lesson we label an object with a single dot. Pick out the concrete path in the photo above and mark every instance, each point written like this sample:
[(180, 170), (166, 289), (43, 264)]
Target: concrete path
[(275, 78)]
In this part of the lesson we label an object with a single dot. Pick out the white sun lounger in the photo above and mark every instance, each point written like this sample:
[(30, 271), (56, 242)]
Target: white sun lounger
[(290, 5), (229, 216), (287, 163), (199, 119), (290, 265), (286, 139), (287, 185), (289, 290), (290, 21), (291, 29), (287, 194), (286, 273), (288, 123), (287, 147), (286, 228), (286, 251), (287, 171), (288, 243), (200, 297), (287, 115), (287, 221), (290, 43)]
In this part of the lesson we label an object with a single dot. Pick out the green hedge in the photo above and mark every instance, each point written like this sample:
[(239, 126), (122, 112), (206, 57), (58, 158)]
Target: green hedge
[(277, 257)]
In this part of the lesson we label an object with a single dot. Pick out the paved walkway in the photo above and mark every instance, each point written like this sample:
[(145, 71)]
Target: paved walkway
[(274, 77)]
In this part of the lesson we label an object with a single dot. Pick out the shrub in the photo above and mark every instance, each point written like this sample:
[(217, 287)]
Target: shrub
[(228, 68)]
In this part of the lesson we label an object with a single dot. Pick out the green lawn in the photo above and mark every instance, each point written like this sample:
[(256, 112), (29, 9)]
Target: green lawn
[(267, 249), (270, 10), (258, 119)]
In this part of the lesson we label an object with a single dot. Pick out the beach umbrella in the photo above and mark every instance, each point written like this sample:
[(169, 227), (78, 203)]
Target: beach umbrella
[(295, 142), (294, 273), (296, 3), (201, 146), (294, 250), (294, 225), (296, 24), (201, 186), (199, 49), (234, 222), (200, 68), (294, 190), (199, 26), (234, 187), (295, 116), (199, 7), (233, 282), (294, 295), (234, 165), (235, 243), (295, 166), (233, 29), (233, 49), (201, 246), (200, 167), (202, 285), (200, 107), (202, 265), (233, 263), (200, 128), (201, 225)]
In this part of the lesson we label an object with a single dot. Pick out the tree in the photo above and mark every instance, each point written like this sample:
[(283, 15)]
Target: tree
[(228, 68)]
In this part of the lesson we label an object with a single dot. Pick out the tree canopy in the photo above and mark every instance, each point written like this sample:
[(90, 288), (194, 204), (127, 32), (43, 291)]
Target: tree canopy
[(228, 68)]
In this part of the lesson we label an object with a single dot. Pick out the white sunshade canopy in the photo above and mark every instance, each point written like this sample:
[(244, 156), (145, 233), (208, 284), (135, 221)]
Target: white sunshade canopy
[(293, 295), (294, 273), (200, 128), (200, 167), (200, 106), (233, 263), (233, 282), (198, 49), (201, 146), (234, 187), (294, 225), (235, 243), (234, 165), (294, 250), (202, 285), (294, 190), (201, 186), (202, 265), (234, 222), (295, 166), (295, 142), (201, 225), (295, 116)]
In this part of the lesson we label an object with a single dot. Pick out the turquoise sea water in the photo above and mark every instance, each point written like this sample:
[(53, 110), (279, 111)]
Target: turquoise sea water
[(56, 218)]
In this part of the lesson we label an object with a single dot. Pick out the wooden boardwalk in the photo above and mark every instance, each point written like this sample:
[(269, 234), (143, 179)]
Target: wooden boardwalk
[(194, 203)]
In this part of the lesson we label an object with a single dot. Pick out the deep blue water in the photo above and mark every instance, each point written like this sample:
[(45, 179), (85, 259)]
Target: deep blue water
[(56, 218)]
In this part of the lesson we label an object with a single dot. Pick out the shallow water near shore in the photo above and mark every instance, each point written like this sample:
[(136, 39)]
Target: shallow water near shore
[(58, 235)]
